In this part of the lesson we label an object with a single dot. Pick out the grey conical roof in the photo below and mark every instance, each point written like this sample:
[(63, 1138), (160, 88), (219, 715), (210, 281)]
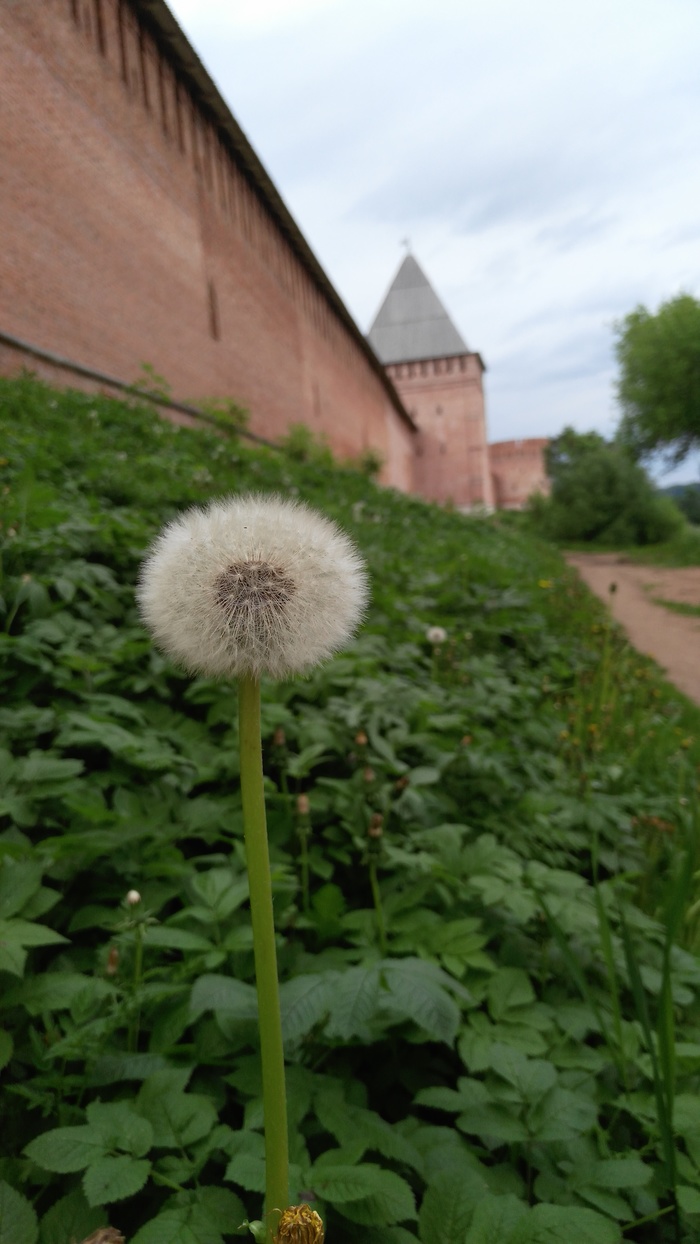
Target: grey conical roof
[(412, 322)]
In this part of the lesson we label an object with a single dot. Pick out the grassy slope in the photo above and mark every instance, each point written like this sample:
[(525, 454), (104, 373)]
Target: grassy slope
[(532, 753)]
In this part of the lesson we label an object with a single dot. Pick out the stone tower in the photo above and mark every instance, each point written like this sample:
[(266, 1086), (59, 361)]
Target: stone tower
[(440, 383)]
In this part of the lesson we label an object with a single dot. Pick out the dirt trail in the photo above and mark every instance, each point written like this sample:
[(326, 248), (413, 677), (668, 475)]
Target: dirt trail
[(672, 639)]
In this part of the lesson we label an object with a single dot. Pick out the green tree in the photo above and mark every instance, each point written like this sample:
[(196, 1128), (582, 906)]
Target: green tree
[(598, 493), (659, 382)]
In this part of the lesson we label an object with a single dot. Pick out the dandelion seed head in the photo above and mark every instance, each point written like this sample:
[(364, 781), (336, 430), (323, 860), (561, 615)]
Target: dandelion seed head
[(252, 585), (436, 635)]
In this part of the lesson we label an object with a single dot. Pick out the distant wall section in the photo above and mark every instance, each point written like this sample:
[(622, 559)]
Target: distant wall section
[(518, 471)]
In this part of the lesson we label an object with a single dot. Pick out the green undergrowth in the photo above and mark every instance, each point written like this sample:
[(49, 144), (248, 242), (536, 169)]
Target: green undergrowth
[(490, 1005)]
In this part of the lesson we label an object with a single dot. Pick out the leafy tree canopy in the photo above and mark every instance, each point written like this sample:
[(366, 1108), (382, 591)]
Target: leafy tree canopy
[(659, 382), (599, 493)]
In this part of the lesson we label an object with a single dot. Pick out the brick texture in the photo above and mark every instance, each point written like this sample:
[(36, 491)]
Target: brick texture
[(132, 235)]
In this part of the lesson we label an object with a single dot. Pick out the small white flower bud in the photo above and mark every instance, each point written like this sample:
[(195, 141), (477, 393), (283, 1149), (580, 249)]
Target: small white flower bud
[(133, 898), (252, 585), (436, 635)]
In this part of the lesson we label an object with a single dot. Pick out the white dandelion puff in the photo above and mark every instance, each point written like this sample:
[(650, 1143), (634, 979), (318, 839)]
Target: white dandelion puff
[(436, 635), (252, 585)]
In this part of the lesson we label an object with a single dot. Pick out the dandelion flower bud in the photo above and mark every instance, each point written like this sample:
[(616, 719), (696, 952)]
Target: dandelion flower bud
[(252, 585), (361, 738), (436, 635), (303, 805), (368, 774), (133, 898), (279, 738), (375, 826)]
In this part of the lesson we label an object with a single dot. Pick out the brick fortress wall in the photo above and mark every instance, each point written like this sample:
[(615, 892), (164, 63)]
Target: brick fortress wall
[(132, 233), (518, 471)]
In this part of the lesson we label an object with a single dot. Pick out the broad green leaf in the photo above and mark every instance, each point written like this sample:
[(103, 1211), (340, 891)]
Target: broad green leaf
[(366, 1193), (354, 1003), (351, 1126), (305, 1001), (120, 1127), (19, 881), (114, 1179), (494, 1220), (562, 1224), (171, 938), (39, 767), (628, 1172), (509, 988), (561, 1115), (57, 991), (18, 1224), (177, 1226), (66, 1149), (16, 936), (177, 1118), (247, 1165), (448, 1206), (531, 1077), (70, 1218), (225, 996), (689, 1199), (417, 993)]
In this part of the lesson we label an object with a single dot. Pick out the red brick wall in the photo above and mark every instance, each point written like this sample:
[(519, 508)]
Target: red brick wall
[(130, 234), (518, 471), (446, 398)]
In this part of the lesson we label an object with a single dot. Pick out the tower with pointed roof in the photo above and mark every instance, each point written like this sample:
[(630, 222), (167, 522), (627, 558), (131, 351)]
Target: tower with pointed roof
[(440, 383)]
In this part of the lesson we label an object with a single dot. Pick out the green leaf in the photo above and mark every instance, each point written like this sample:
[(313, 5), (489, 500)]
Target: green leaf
[(120, 1127), (15, 936), (19, 881), (247, 1165), (532, 1077), (353, 1126), (6, 1047), (448, 1206), (114, 1179), (70, 1218), (171, 938), (494, 1220), (57, 991), (305, 1002), (417, 993), (508, 989), (562, 1115), (177, 1118), (688, 1199), (354, 1003), (176, 1226), (561, 1224), (367, 1193), (66, 1149), (39, 767), (225, 996), (18, 1224)]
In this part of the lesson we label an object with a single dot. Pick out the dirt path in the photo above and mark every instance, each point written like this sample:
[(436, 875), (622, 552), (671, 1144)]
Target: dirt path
[(670, 638)]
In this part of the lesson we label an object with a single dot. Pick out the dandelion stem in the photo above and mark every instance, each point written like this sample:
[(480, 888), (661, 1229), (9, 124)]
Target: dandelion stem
[(262, 917), (378, 909), (135, 1022)]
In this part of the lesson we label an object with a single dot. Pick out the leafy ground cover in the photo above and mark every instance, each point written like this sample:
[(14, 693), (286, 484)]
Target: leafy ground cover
[(486, 874)]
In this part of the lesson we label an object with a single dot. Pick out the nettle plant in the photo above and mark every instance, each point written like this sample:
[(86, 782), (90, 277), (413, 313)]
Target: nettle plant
[(249, 587)]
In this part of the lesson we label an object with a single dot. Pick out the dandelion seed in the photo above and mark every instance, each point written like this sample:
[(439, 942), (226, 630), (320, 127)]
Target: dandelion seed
[(252, 585)]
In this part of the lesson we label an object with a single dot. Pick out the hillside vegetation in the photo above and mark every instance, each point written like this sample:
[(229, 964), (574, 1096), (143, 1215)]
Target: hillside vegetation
[(488, 904)]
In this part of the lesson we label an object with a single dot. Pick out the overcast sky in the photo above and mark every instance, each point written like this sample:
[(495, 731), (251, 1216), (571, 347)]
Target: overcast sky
[(543, 158)]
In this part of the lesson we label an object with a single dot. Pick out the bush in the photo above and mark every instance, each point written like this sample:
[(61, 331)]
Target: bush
[(600, 495), (302, 445)]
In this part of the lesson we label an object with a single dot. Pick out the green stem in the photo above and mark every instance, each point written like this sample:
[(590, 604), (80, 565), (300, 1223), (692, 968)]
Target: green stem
[(135, 1024), (262, 917), (379, 910)]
